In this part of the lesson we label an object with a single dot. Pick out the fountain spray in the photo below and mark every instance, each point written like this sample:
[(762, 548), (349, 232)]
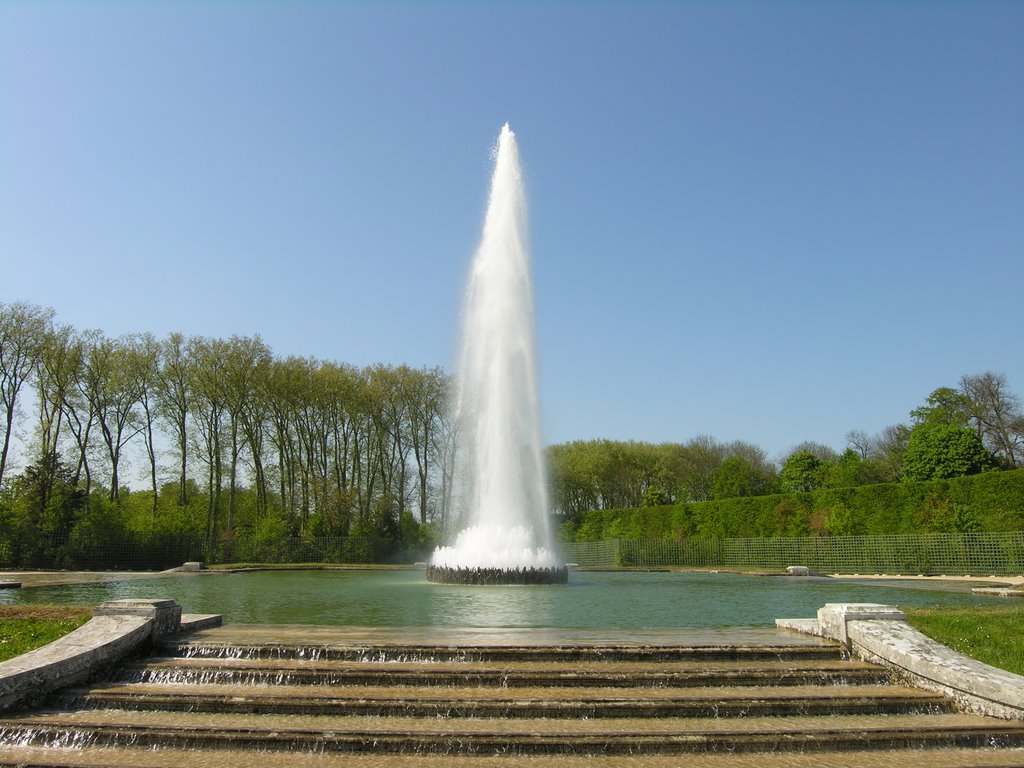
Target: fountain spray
[(500, 465)]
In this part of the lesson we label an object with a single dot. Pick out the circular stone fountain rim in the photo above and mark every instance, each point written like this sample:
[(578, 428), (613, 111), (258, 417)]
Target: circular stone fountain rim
[(439, 574)]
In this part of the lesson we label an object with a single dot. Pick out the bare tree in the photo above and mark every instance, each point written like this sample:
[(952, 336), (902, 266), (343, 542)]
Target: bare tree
[(995, 413)]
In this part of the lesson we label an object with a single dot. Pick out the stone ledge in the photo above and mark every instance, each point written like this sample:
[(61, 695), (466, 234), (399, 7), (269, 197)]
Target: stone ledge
[(999, 591), (881, 634), (193, 622), (117, 629)]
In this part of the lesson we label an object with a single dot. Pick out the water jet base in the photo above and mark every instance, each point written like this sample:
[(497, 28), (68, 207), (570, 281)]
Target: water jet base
[(444, 575)]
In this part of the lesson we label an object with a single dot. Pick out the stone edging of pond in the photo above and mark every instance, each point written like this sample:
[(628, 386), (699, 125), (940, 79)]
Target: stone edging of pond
[(880, 634), (117, 629)]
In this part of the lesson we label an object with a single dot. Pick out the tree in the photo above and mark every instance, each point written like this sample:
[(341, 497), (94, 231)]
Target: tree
[(859, 441), (113, 392), (996, 415), (241, 371), (58, 371), (703, 456), (737, 476), (802, 472), (942, 450), (46, 502), (943, 406), (890, 446), (820, 451), (23, 330), (426, 394), (850, 470), (174, 400), (143, 363), (209, 404)]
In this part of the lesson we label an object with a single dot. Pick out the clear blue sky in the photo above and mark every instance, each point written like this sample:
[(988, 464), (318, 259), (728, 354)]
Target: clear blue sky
[(770, 221)]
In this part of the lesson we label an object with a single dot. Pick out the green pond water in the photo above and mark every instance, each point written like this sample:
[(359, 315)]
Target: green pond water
[(590, 600)]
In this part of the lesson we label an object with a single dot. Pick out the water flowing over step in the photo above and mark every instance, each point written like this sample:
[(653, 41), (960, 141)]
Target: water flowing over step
[(224, 693)]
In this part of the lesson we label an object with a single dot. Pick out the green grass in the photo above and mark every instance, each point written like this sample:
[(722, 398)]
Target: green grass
[(988, 634), (26, 627)]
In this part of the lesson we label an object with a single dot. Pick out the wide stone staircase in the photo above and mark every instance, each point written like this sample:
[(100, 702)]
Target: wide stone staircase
[(212, 700)]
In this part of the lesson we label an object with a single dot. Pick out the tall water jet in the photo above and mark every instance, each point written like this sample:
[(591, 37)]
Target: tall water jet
[(502, 498)]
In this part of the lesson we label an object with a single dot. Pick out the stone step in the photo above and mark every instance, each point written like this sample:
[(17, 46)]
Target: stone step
[(98, 757), (478, 702), (194, 731), (124, 718), (202, 671), (412, 652)]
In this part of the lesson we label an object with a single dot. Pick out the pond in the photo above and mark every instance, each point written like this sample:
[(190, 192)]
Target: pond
[(590, 600)]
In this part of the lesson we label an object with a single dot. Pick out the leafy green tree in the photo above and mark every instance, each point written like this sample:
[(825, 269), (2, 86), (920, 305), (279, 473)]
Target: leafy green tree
[(943, 450), (57, 375), (45, 504), (702, 456), (656, 497), (851, 470), (114, 396), (143, 363), (819, 450), (173, 391), (944, 406), (737, 476), (244, 367), (801, 473)]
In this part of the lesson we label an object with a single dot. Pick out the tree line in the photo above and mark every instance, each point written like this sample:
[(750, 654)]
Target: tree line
[(233, 439), (288, 445), (973, 428)]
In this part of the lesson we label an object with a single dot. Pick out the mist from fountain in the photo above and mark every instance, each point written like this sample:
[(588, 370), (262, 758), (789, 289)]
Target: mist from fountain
[(500, 468)]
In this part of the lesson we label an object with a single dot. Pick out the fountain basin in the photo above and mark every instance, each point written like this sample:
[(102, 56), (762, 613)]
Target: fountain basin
[(439, 574)]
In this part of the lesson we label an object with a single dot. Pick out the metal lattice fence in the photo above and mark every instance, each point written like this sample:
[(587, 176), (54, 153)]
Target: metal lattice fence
[(590, 554), (951, 554), (932, 554)]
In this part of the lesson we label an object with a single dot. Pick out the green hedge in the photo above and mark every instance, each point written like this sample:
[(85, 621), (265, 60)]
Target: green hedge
[(993, 501)]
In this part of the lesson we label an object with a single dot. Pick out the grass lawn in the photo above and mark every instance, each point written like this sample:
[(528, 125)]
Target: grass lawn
[(989, 634), (24, 627)]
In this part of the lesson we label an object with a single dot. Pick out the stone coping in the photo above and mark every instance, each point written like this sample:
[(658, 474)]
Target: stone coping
[(117, 629), (235, 635), (880, 633)]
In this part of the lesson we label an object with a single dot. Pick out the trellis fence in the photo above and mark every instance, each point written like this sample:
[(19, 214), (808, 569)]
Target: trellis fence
[(930, 554)]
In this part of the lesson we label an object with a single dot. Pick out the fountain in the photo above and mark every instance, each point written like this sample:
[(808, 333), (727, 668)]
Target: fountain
[(502, 498)]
